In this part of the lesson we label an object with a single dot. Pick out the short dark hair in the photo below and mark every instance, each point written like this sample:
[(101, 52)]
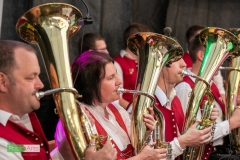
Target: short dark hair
[(192, 32), (7, 50), (194, 46), (132, 29), (88, 70), (87, 41)]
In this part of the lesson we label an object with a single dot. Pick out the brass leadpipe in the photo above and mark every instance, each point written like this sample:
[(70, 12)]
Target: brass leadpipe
[(41, 94)]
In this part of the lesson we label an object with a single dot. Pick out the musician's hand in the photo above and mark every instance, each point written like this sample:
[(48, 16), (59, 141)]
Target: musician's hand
[(149, 120), (194, 137), (108, 152), (214, 113), (148, 153), (234, 121)]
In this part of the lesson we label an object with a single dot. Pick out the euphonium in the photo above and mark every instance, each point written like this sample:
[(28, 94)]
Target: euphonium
[(232, 93), (158, 133), (50, 25), (153, 51), (219, 44)]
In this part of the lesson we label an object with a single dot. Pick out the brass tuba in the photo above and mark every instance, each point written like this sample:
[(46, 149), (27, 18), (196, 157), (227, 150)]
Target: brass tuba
[(49, 26), (219, 44), (153, 51), (232, 93)]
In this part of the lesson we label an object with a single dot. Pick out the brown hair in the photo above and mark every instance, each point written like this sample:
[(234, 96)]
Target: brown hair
[(194, 46), (132, 29), (88, 70), (7, 50), (192, 32), (87, 42)]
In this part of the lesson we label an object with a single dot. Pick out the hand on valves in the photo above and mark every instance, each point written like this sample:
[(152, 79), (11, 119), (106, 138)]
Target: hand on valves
[(108, 152), (194, 137), (214, 113)]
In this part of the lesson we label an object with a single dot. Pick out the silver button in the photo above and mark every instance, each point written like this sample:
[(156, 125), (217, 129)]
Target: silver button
[(41, 144), (28, 133), (173, 120), (174, 132), (174, 126), (172, 113), (32, 134), (36, 139)]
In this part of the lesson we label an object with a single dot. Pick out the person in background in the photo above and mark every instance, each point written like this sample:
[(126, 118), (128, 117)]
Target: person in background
[(191, 32), (183, 89), (126, 63), (97, 82), (92, 41)]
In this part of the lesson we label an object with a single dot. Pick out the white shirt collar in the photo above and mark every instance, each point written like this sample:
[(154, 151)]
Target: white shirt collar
[(163, 98), (24, 121), (4, 117), (126, 54), (123, 53)]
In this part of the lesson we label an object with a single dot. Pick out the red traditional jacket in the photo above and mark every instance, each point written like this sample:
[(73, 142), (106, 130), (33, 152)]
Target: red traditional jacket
[(173, 119), (217, 97), (19, 135), (129, 69)]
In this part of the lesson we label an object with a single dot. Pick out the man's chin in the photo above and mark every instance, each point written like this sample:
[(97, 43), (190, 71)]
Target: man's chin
[(36, 106)]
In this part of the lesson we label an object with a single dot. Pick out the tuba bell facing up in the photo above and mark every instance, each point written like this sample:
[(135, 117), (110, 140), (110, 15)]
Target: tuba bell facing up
[(49, 26), (219, 44), (153, 51)]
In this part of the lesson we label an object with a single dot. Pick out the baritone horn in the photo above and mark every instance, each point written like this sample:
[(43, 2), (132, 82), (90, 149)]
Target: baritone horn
[(219, 44), (153, 51), (49, 26)]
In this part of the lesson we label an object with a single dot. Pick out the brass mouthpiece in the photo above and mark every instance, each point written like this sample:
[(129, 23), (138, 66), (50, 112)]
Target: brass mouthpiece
[(185, 73), (121, 90)]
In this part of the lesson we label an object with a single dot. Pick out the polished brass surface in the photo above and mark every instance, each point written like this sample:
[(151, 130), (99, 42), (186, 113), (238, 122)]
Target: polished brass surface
[(219, 44), (232, 94), (49, 26), (153, 51)]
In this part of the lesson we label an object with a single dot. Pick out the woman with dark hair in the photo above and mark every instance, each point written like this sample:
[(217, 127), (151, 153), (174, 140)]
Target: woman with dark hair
[(96, 80)]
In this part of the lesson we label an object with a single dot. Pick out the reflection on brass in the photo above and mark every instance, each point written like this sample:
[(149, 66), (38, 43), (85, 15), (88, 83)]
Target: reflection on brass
[(153, 51), (219, 44)]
